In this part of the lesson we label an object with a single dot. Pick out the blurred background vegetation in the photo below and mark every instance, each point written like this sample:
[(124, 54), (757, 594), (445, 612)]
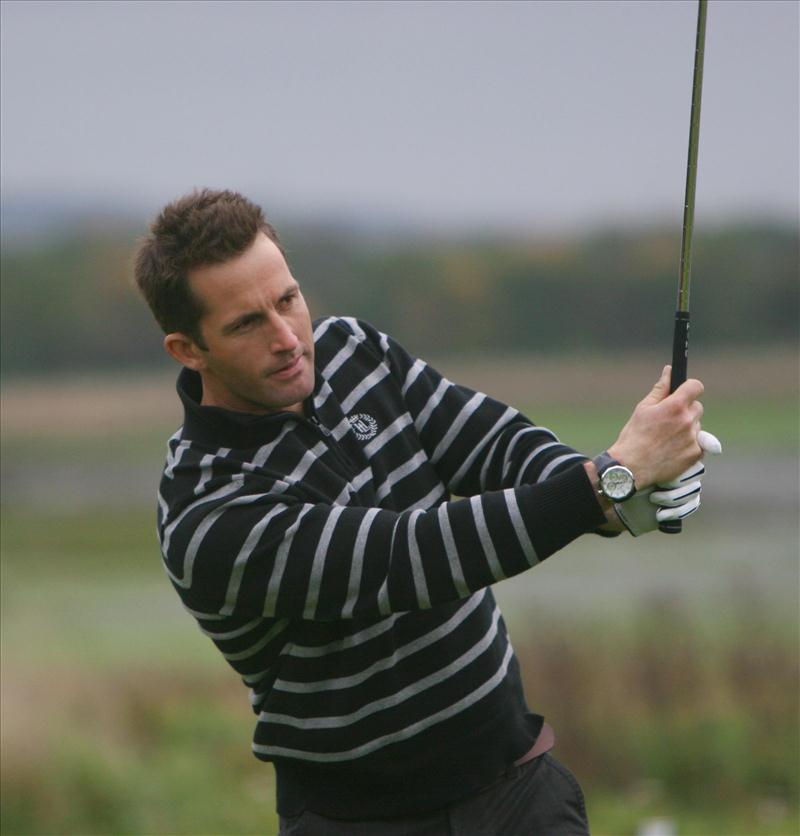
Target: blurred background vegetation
[(68, 305), (668, 666)]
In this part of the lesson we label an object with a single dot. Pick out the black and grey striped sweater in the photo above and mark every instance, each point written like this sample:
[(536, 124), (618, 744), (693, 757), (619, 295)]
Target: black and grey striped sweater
[(325, 557)]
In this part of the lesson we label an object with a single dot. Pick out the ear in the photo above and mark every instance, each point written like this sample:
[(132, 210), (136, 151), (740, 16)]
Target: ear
[(185, 350)]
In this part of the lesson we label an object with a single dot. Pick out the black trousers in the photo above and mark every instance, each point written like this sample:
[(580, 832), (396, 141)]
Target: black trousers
[(538, 798)]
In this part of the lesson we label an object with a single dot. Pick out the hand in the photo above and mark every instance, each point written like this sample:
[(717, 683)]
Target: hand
[(660, 440), (674, 501)]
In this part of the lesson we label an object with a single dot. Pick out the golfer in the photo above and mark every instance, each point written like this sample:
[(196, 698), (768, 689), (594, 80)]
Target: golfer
[(334, 512)]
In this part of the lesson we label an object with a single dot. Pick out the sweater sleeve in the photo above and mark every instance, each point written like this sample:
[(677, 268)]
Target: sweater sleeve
[(242, 545), (475, 443)]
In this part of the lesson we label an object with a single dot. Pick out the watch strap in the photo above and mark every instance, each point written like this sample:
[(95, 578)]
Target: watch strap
[(604, 461)]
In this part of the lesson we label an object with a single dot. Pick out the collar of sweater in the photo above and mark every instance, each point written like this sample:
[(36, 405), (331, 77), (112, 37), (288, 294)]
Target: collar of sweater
[(219, 427)]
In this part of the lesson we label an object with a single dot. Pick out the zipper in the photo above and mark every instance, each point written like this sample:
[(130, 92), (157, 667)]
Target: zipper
[(321, 427), (334, 447)]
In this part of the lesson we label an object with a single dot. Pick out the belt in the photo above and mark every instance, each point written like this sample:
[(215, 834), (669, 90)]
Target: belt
[(544, 743)]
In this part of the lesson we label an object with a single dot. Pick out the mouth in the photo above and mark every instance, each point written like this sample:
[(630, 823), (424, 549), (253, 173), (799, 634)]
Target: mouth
[(290, 369)]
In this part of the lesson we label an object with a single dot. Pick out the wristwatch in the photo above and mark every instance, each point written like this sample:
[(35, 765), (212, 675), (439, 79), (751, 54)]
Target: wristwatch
[(616, 480)]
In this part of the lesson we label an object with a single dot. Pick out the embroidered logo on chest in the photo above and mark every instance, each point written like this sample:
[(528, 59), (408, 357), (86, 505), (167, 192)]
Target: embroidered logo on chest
[(364, 426)]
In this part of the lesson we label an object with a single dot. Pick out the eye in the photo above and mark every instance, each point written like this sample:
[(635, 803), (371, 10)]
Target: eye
[(288, 300), (244, 324)]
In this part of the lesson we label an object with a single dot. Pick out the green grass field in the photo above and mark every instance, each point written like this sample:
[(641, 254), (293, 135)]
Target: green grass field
[(669, 667)]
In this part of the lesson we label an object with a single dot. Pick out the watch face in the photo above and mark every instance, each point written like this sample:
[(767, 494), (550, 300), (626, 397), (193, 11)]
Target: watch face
[(617, 483)]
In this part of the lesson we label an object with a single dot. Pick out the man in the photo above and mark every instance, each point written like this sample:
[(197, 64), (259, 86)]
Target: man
[(306, 520)]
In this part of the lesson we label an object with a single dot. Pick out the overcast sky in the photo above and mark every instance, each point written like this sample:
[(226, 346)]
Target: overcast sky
[(535, 114)]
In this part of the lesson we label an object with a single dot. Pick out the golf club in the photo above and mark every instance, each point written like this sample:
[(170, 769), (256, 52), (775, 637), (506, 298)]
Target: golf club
[(680, 340)]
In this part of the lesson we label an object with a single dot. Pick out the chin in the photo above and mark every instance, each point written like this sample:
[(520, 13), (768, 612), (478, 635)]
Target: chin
[(306, 391), (296, 394)]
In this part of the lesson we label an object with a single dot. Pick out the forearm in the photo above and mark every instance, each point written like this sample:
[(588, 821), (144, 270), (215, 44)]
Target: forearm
[(325, 562)]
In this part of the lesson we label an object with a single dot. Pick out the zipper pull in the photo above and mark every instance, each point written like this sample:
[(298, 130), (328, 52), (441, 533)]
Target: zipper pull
[(323, 429)]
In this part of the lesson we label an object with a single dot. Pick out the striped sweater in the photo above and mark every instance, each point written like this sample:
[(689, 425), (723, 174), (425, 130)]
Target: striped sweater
[(325, 557)]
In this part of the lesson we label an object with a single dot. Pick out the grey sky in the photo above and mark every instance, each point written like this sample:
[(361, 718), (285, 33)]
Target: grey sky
[(529, 113)]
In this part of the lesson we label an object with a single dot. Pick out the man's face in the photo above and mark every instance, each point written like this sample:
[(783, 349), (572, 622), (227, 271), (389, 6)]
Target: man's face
[(259, 354)]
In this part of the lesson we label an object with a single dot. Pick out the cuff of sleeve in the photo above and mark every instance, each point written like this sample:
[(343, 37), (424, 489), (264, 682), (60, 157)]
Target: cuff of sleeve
[(560, 509)]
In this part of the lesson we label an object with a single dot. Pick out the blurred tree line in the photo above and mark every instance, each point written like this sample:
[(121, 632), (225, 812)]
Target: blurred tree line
[(69, 304)]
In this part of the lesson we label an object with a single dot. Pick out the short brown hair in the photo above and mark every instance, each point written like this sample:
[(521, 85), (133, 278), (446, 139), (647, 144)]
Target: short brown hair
[(203, 227)]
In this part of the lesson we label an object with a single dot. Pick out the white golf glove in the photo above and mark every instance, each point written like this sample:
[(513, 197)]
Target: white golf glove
[(673, 501)]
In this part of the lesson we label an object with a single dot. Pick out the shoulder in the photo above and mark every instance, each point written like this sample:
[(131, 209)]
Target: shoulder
[(347, 327), (333, 333), (343, 341)]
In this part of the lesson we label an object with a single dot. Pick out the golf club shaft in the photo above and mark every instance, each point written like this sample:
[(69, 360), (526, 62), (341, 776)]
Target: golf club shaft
[(680, 339)]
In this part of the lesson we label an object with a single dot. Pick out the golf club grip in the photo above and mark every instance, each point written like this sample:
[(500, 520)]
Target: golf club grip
[(680, 363)]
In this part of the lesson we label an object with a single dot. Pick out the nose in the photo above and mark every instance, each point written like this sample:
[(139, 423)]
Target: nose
[(283, 340)]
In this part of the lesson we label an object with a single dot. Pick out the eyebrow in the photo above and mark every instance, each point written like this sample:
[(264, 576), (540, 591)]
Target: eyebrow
[(242, 319), (257, 315)]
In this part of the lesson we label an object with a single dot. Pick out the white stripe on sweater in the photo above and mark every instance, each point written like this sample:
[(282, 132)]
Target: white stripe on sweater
[(264, 452), (387, 663), (417, 571), (452, 552), (394, 737), (352, 324), (486, 541), (278, 628), (519, 527), (399, 473), (315, 579), (556, 462), (323, 327), (513, 443), (482, 479), (369, 382), (237, 572), (341, 357), (357, 564), (433, 401), (341, 645), (224, 635), (531, 456), (173, 459), (414, 689), (413, 373), (204, 527), (279, 566), (307, 461), (504, 419), (383, 438), (434, 497), (466, 412), (226, 490)]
